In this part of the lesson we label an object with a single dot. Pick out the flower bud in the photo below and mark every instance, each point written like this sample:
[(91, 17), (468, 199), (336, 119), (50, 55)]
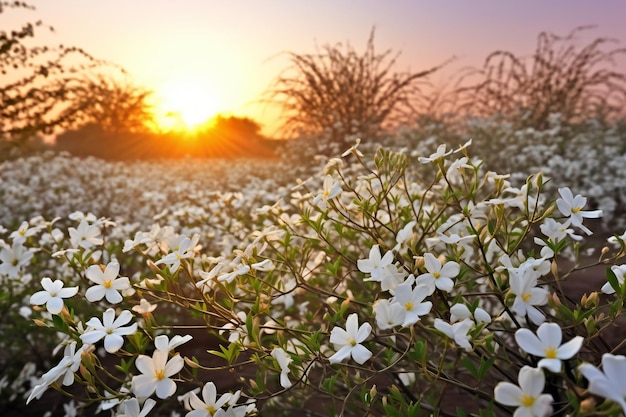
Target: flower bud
[(590, 300), (555, 299), (40, 323), (554, 268), (588, 405), (153, 267), (373, 391)]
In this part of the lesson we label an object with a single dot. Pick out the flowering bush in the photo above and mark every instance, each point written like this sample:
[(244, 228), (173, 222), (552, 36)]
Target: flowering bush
[(388, 285), (587, 156)]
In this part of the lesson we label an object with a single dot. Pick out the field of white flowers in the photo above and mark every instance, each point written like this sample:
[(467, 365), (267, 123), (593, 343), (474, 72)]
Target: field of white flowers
[(427, 276)]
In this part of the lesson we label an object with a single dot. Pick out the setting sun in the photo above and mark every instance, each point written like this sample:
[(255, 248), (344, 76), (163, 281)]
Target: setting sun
[(185, 104)]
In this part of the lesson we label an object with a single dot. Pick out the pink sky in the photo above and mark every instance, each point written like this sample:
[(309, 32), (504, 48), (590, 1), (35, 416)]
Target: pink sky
[(234, 46)]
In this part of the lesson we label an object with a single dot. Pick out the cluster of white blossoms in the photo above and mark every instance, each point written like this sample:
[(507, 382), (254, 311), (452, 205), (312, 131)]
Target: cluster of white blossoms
[(342, 278)]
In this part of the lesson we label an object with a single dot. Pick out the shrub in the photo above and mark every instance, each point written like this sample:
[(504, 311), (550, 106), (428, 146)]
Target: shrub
[(340, 93), (560, 77)]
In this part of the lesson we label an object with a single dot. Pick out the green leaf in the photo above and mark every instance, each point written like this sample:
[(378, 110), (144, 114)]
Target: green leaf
[(612, 279)]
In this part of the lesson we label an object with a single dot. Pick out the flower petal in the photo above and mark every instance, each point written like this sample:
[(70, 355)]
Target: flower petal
[(113, 296), (143, 385), (550, 334), (529, 342), (341, 354), (40, 298), (569, 349), (508, 394), (360, 354), (54, 305), (145, 365), (95, 293), (531, 381), (551, 364), (113, 342), (165, 388), (364, 332)]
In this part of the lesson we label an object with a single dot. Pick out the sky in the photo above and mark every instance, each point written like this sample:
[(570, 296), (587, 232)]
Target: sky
[(226, 53)]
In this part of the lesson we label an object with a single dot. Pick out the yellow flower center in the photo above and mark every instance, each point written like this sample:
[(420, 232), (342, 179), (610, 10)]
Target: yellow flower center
[(409, 306), (576, 209), (159, 374), (550, 352), (437, 275), (211, 409), (527, 400), (351, 341), (107, 284), (526, 297)]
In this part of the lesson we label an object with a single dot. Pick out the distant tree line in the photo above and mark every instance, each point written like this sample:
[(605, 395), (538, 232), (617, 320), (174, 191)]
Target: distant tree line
[(224, 137)]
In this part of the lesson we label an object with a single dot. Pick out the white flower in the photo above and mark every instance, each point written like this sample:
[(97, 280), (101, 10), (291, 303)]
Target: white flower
[(263, 266), (461, 311), (331, 189), (63, 372), (70, 409), (388, 314), (283, 361), (457, 331), (547, 344), (439, 154), (412, 301), (353, 149), (523, 283), (162, 342), (110, 328), (107, 283), (144, 307), (155, 374), (375, 264), (348, 341), (85, 235), (183, 251), (404, 234), (131, 408), (211, 403), (52, 295), (610, 383), (23, 232), (527, 397), (438, 276), (13, 259), (572, 207)]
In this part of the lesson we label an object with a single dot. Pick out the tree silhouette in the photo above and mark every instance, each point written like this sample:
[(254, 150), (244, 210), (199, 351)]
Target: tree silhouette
[(37, 82), (114, 105)]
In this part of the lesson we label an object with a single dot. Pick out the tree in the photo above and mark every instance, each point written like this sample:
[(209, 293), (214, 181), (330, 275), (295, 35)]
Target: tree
[(341, 92), (37, 82), (114, 105)]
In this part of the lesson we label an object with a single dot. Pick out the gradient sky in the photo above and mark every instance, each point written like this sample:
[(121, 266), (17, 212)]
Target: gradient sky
[(233, 48)]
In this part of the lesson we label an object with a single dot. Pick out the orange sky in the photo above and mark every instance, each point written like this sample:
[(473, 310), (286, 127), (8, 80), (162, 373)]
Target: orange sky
[(230, 50)]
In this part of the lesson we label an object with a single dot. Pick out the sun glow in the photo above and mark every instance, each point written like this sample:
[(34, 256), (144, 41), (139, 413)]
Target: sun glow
[(185, 105)]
